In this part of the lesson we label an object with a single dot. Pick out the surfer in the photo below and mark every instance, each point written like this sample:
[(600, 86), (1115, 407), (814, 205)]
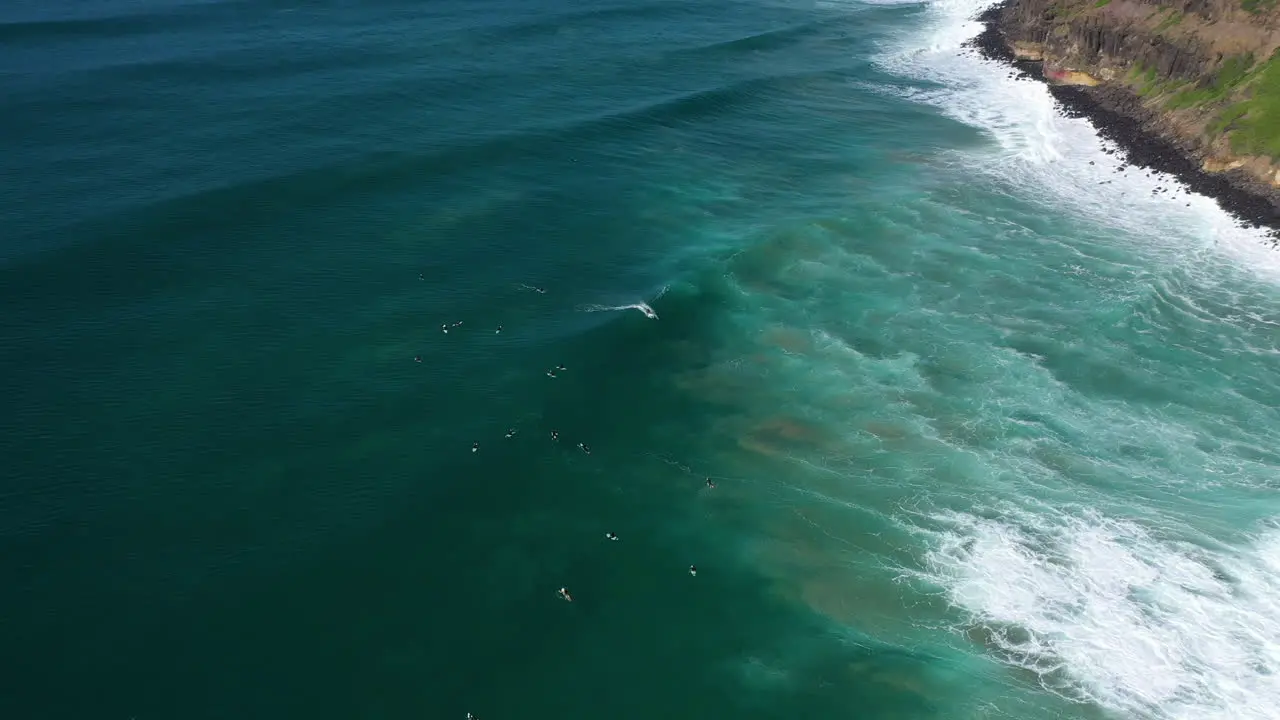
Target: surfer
[(444, 329), (511, 433), (711, 483), (551, 373), (417, 358), (641, 306), (584, 448), (475, 447), (424, 277), (564, 593), (693, 570), (555, 435), (561, 368), (495, 332), (610, 536)]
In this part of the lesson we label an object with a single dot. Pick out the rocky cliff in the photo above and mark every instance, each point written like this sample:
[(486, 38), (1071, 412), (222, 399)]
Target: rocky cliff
[(1203, 75)]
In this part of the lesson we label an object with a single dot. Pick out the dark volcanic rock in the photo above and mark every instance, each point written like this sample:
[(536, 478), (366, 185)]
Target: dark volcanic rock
[(1121, 119)]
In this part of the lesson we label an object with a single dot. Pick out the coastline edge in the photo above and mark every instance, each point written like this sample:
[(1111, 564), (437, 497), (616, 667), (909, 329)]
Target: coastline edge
[(1125, 135)]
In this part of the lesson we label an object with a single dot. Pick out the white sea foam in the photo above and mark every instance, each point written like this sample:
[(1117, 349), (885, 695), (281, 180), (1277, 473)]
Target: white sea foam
[(1106, 611), (1059, 160), (1096, 608)]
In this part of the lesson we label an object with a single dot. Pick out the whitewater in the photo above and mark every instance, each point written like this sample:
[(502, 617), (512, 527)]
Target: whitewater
[(1139, 594)]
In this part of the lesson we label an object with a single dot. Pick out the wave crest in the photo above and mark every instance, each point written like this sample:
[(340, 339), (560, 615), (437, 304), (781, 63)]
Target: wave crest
[(1101, 610)]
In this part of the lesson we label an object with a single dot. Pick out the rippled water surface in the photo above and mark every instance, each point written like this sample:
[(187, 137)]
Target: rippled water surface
[(989, 439)]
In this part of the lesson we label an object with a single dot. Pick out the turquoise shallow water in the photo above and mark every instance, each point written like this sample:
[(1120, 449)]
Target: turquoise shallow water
[(989, 440)]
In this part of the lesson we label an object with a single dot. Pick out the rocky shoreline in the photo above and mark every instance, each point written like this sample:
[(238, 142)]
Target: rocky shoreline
[(1128, 135)]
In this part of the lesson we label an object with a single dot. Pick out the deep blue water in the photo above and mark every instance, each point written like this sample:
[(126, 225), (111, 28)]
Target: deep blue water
[(988, 439)]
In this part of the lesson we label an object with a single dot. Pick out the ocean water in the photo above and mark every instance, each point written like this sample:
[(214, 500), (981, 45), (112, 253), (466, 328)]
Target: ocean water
[(994, 429)]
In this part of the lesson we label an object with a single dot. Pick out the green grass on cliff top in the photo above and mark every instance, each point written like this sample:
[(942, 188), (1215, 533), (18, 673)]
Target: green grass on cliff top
[(1255, 121), (1232, 73)]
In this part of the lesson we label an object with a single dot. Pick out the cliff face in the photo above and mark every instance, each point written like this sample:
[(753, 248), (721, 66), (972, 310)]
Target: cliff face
[(1202, 74)]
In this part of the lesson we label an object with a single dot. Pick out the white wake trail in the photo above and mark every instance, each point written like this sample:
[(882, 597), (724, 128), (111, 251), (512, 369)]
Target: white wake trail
[(641, 306)]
